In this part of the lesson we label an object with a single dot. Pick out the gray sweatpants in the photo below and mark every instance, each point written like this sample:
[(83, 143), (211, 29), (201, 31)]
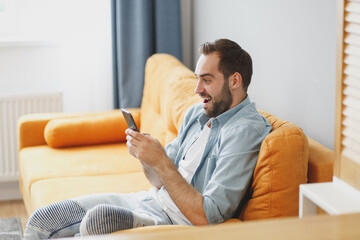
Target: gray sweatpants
[(95, 214)]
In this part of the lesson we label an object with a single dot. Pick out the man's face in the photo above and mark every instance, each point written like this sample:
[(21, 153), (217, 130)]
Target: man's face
[(211, 86)]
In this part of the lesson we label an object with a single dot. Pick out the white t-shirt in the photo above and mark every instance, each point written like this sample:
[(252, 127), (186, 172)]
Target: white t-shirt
[(187, 168)]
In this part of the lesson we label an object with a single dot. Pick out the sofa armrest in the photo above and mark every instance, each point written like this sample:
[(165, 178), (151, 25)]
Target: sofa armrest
[(31, 128), (35, 129), (321, 162)]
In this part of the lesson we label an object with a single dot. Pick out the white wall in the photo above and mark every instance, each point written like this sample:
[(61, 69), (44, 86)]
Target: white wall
[(58, 45), (292, 44)]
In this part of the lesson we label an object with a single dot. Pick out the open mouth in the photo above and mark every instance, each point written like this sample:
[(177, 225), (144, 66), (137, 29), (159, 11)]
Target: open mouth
[(206, 100)]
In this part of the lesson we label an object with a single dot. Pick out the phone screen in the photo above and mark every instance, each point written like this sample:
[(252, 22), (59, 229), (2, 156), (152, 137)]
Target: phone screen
[(129, 120)]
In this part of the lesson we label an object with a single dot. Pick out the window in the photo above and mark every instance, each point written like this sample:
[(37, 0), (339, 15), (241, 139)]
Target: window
[(347, 123)]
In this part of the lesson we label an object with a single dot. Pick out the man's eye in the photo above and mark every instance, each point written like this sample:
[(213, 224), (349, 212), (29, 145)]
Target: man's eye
[(206, 80)]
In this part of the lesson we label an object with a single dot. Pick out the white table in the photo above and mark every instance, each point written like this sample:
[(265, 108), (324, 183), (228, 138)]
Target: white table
[(335, 198)]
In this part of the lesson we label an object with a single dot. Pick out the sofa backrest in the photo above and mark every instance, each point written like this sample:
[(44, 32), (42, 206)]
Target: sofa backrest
[(168, 94)]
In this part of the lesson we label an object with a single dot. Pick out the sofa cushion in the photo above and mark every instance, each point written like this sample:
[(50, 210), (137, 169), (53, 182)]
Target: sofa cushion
[(43, 162), (46, 191), (86, 130), (281, 168)]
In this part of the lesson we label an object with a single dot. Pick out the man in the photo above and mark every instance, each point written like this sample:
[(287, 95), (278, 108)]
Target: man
[(200, 177)]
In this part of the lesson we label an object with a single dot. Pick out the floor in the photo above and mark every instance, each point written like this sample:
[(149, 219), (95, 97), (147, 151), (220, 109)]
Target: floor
[(14, 208)]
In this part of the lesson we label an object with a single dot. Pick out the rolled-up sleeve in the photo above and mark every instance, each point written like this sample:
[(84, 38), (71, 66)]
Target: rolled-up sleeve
[(172, 149), (236, 155)]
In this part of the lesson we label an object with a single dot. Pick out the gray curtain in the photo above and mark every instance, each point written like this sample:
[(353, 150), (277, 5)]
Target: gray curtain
[(140, 29)]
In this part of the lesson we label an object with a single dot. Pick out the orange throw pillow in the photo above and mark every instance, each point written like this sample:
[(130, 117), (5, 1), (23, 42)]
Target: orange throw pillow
[(90, 129), (281, 168)]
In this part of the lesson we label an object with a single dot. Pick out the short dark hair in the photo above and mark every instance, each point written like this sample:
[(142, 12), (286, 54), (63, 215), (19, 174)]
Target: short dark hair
[(232, 59)]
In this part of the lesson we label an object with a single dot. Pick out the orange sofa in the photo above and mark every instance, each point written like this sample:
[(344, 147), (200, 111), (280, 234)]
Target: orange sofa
[(65, 155)]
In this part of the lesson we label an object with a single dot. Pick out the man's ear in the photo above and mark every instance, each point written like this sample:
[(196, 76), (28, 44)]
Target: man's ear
[(236, 81)]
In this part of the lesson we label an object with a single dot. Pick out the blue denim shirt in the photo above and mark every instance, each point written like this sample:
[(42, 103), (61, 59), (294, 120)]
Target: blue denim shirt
[(230, 155)]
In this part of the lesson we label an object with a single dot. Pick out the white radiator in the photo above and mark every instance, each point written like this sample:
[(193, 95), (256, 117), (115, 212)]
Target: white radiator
[(11, 108)]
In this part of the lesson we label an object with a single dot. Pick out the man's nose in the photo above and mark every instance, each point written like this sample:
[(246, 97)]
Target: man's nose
[(199, 88)]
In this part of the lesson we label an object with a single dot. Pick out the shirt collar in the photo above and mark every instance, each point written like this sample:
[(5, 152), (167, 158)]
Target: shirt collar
[(225, 116)]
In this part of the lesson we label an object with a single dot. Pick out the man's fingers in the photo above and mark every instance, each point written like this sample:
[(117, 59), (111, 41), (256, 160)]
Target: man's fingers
[(131, 149), (131, 141), (130, 132), (137, 135)]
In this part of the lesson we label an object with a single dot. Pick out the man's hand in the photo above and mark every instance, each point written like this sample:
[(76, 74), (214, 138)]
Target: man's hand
[(161, 171), (145, 148), (138, 147)]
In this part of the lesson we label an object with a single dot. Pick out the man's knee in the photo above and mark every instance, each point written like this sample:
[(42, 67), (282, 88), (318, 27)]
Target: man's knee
[(56, 216), (104, 219)]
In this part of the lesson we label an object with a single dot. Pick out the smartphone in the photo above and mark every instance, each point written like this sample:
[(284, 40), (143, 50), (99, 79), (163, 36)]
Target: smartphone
[(129, 120)]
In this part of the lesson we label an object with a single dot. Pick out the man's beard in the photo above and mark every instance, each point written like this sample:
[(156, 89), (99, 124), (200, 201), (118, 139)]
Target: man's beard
[(220, 103)]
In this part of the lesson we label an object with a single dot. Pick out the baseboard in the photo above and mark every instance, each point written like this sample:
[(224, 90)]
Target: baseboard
[(10, 191)]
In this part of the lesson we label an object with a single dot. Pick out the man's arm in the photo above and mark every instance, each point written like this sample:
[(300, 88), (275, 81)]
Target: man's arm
[(152, 176), (187, 199), (163, 172)]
